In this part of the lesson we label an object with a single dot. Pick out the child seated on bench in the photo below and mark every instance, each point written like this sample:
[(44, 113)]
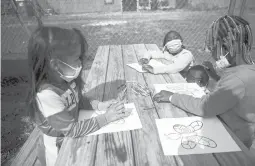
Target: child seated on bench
[(55, 62), (176, 57), (197, 74)]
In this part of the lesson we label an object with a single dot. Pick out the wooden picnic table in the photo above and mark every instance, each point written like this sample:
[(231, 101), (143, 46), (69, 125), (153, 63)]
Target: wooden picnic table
[(138, 147)]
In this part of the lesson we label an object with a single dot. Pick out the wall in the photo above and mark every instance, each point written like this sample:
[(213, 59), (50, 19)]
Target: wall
[(212, 4), (84, 6), (87, 6)]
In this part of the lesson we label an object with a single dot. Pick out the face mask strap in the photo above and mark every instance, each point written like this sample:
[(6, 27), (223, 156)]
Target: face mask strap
[(75, 69), (68, 65)]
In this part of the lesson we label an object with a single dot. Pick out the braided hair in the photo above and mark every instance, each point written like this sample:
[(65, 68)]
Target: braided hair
[(231, 36)]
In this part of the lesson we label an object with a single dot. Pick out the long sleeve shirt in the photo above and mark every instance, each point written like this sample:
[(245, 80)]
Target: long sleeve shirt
[(59, 110), (233, 100), (180, 62)]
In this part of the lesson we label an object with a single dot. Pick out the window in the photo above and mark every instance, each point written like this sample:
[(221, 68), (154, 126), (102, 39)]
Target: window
[(108, 2)]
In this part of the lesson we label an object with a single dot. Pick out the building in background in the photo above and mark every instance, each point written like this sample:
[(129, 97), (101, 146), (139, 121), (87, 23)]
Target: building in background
[(52, 7)]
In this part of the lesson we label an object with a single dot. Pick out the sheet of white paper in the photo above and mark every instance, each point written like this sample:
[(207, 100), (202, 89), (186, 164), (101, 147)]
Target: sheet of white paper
[(154, 62), (137, 67), (131, 122), (194, 135), (183, 88)]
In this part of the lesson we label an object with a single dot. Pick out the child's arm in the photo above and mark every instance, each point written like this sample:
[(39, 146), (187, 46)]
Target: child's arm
[(154, 55), (54, 110), (178, 64), (102, 106), (70, 128), (228, 92)]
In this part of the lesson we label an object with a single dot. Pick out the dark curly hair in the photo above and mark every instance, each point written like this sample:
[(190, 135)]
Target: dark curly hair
[(230, 34)]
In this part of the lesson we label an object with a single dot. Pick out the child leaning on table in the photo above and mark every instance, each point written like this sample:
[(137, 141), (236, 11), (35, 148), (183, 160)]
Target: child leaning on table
[(55, 61), (176, 57), (198, 74)]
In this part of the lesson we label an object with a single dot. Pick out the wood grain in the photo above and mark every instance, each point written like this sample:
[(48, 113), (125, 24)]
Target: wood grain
[(95, 83), (27, 154), (82, 151), (146, 143), (114, 148)]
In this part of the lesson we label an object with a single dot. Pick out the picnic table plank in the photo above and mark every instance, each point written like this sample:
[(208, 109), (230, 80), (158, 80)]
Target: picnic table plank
[(166, 110), (27, 154), (146, 143), (95, 82), (114, 148), (82, 151)]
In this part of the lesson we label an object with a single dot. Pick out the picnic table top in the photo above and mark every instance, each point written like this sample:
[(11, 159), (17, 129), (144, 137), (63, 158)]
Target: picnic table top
[(142, 146)]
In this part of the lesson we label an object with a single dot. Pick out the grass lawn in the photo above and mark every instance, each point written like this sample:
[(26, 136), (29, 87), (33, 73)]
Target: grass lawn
[(108, 30)]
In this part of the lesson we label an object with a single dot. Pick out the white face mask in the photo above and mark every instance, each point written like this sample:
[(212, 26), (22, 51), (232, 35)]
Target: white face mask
[(222, 63), (72, 77), (173, 46)]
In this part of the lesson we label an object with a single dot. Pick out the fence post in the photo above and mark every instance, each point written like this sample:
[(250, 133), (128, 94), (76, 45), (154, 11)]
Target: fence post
[(37, 14), (231, 7), (243, 6), (18, 15)]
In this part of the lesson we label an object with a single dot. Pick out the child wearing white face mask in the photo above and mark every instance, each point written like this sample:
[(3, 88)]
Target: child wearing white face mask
[(175, 57), (55, 99)]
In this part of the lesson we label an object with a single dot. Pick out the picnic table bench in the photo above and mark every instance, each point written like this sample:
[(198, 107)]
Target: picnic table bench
[(142, 146)]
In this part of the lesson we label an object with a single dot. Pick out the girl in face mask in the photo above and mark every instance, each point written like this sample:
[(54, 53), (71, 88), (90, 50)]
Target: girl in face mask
[(55, 100), (176, 57)]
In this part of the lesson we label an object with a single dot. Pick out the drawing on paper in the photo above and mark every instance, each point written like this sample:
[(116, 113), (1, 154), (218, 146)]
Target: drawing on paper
[(189, 137), (120, 121)]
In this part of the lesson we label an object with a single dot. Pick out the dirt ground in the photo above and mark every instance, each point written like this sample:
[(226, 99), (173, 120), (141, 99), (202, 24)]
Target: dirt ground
[(115, 29)]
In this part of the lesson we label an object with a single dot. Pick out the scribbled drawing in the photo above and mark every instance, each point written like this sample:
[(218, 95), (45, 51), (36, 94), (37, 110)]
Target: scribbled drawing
[(189, 137), (120, 121)]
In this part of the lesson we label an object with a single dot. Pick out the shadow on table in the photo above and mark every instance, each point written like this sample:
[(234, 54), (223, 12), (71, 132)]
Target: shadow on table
[(106, 91)]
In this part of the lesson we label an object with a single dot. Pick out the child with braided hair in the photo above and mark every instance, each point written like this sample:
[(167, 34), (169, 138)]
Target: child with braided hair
[(229, 39), (233, 98)]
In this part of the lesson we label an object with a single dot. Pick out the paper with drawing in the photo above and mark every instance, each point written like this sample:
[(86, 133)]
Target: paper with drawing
[(183, 88), (131, 122), (139, 67), (194, 135)]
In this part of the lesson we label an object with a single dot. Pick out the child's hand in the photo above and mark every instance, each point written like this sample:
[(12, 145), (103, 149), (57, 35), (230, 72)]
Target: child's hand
[(162, 96), (143, 61), (148, 68), (117, 111), (105, 105)]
